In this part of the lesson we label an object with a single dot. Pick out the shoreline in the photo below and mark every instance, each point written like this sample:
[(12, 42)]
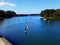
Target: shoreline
[(51, 18)]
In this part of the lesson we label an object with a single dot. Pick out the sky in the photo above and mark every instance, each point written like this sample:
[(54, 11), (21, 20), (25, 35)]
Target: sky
[(29, 6)]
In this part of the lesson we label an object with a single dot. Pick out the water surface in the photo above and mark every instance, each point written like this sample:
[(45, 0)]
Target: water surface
[(39, 32)]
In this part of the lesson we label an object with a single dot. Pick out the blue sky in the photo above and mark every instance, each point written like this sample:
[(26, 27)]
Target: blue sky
[(29, 6)]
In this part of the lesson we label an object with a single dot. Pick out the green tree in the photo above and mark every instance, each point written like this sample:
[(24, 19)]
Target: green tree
[(10, 14), (56, 14), (2, 13), (47, 13)]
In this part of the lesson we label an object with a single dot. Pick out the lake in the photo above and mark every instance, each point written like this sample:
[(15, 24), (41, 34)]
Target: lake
[(30, 30)]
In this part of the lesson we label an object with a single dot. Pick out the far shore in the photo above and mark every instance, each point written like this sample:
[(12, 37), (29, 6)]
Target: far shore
[(17, 15)]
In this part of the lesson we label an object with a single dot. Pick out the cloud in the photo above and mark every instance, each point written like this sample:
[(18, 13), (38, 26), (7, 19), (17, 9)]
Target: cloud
[(7, 4)]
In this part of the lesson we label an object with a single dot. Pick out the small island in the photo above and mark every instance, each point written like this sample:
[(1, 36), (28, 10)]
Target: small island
[(50, 14)]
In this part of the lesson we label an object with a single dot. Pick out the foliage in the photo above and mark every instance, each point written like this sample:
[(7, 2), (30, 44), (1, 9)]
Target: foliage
[(50, 13), (7, 14)]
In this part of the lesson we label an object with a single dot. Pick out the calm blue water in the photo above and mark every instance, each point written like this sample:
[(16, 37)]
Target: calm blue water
[(39, 32)]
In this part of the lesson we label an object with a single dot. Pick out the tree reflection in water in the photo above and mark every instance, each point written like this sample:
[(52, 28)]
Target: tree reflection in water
[(1, 22), (25, 31)]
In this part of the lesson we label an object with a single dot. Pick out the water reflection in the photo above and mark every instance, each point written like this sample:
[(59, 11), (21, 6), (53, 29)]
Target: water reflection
[(25, 33), (31, 32), (25, 30), (49, 21), (1, 22)]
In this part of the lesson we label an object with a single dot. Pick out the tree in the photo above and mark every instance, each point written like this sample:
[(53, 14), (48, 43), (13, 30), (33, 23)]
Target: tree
[(10, 14), (47, 13), (2, 13), (56, 14)]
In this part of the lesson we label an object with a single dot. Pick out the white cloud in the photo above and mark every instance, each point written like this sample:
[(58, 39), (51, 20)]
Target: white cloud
[(7, 4)]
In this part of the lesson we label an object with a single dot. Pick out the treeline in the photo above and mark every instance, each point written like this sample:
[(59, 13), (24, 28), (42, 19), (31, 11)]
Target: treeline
[(50, 13), (28, 14), (7, 14)]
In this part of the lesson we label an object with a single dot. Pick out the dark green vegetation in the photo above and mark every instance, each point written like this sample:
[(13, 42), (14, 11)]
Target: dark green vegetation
[(10, 14), (50, 13), (6, 14)]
